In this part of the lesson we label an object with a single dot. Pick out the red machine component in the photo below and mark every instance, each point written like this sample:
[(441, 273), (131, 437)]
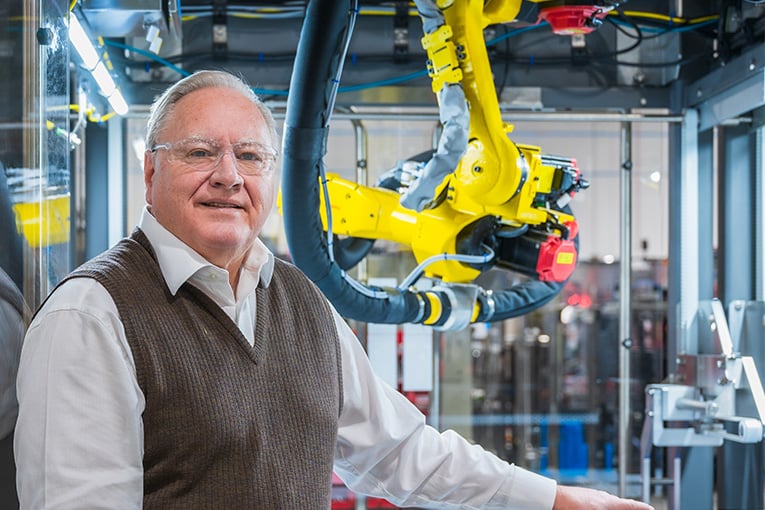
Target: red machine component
[(573, 19), (573, 229), (557, 259)]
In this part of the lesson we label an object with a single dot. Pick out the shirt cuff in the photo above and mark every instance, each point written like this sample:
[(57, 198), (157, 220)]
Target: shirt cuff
[(525, 490)]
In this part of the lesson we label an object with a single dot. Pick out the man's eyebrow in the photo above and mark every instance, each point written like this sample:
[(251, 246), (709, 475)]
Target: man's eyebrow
[(199, 139), (210, 141)]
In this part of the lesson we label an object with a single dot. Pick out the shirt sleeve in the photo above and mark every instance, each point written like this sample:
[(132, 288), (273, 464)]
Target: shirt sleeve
[(385, 449), (79, 436), (11, 335)]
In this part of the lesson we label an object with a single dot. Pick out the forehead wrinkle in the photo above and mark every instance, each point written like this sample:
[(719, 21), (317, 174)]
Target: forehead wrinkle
[(252, 141), (245, 141)]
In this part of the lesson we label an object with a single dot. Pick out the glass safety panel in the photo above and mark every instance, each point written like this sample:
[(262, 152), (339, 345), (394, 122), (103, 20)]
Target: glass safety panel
[(36, 141), (36, 148)]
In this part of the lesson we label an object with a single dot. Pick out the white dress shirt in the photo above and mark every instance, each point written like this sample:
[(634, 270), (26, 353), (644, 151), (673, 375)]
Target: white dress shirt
[(79, 437)]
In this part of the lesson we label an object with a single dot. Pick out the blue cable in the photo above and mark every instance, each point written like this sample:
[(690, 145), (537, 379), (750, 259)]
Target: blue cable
[(148, 54), (515, 32), (183, 72)]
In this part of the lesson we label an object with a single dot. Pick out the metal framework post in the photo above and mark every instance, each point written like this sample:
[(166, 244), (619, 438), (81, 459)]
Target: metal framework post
[(688, 267), (693, 469), (362, 177), (759, 212), (35, 286), (116, 225), (625, 298)]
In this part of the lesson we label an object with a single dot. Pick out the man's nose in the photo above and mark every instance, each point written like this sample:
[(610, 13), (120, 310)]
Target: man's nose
[(226, 172)]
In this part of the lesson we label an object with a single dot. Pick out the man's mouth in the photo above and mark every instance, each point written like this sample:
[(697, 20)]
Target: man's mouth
[(221, 205)]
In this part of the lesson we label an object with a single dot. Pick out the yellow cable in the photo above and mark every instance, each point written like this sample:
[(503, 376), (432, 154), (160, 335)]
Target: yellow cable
[(369, 11), (71, 5), (664, 17), (702, 19), (90, 112)]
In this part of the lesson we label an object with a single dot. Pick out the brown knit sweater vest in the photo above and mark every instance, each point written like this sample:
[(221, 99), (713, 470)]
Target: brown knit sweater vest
[(228, 425)]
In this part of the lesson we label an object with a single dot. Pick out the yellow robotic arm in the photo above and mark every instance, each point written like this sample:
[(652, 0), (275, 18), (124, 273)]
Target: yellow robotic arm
[(494, 178), (479, 201)]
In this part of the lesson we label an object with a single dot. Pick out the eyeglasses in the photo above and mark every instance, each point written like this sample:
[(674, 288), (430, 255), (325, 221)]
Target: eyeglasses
[(252, 158)]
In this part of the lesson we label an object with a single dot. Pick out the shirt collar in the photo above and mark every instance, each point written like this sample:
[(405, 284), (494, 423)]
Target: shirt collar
[(179, 262)]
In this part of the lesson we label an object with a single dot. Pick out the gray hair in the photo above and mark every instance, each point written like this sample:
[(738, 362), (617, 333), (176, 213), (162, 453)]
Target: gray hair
[(164, 104)]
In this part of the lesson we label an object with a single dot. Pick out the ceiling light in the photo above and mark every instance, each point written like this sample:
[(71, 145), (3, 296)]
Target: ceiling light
[(93, 63), (104, 80), (82, 43), (118, 103)]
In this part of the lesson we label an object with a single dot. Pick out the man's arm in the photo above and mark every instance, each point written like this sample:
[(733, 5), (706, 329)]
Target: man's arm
[(79, 437), (385, 449)]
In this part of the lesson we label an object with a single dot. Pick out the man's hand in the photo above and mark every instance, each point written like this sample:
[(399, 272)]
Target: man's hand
[(580, 498)]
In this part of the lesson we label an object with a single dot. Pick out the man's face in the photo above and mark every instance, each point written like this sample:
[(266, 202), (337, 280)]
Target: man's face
[(218, 211)]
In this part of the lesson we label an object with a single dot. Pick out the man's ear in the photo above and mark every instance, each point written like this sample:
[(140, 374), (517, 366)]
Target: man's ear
[(148, 174)]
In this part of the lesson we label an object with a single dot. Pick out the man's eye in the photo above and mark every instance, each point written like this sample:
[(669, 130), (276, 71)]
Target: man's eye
[(198, 153), (250, 156)]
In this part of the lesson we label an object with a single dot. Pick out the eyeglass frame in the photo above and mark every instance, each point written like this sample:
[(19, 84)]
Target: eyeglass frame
[(269, 154)]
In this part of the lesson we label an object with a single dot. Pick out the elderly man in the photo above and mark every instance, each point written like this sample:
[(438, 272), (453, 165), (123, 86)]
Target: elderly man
[(188, 368)]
